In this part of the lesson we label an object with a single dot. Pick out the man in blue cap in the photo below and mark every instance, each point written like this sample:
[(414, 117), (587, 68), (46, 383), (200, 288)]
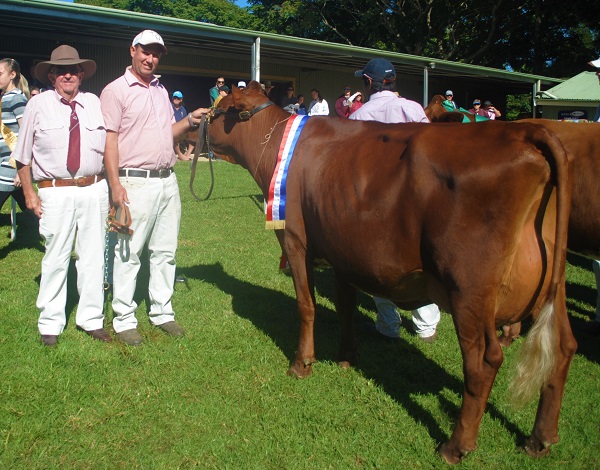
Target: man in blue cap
[(383, 105), (179, 113)]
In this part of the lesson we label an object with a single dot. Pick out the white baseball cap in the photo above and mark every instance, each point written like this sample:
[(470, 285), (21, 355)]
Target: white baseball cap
[(595, 63), (147, 37), (241, 84)]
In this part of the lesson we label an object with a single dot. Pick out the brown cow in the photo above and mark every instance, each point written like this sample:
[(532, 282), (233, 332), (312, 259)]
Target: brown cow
[(582, 141), (482, 237)]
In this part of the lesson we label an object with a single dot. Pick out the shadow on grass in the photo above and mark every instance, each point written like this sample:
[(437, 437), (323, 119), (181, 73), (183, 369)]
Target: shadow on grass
[(27, 233), (400, 368)]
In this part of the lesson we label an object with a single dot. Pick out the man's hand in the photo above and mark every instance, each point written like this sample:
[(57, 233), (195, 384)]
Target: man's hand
[(118, 195), (34, 204)]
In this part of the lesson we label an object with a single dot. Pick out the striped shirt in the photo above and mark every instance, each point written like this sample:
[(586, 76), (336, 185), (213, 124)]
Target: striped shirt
[(44, 136), (13, 107)]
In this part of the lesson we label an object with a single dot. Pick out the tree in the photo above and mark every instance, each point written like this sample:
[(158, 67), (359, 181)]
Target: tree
[(221, 12), (548, 37)]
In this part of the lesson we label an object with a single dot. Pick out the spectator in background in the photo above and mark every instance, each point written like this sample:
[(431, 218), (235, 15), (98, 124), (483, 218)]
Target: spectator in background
[(289, 100), (342, 105), (379, 84), (214, 91), (179, 113), (15, 92), (300, 106), (476, 109), (269, 89), (61, 146), (318, 106), (449, 101), (223, 92), (34, 90), (241, 84), (491, 112), (356, 101)]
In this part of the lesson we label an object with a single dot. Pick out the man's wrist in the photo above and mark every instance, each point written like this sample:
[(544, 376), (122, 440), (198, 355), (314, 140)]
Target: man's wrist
[(193, 126)]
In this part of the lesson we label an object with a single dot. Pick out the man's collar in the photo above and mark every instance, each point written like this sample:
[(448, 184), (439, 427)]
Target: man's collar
[(131, 79)]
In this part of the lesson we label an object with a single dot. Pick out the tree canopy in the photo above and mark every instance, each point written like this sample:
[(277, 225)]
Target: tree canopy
[(547, 37)]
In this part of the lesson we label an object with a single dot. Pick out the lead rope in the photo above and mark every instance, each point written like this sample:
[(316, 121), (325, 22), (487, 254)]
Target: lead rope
[(201, 142)]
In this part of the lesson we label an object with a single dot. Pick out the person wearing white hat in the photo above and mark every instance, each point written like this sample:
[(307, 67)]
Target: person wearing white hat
[(139, 159), (241, 84), (449, 101), (61, 147)]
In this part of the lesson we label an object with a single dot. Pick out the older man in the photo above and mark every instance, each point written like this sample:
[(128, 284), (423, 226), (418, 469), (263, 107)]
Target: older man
[(61, 145), (379, 83), (139, 167)]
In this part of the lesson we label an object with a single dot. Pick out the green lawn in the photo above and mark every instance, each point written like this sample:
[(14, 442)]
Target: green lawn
[(220, 398)]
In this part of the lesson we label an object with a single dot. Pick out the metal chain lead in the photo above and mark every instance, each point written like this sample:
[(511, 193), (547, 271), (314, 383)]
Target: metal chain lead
[(106, 284)]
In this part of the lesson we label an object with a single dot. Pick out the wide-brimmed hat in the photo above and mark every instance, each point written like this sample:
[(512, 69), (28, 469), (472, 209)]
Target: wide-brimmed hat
[(64, 55), (595, 63)]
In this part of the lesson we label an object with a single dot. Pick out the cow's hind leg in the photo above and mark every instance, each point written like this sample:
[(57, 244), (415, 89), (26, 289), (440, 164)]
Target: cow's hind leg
[(562, 344), (345, 303), (482, 357)]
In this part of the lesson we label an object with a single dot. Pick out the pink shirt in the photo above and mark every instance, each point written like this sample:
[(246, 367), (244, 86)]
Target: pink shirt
[(143, 118), (385, 106), (44, 136)]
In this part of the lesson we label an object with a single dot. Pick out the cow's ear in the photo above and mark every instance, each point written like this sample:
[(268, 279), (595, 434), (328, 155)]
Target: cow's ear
[(254, 85)]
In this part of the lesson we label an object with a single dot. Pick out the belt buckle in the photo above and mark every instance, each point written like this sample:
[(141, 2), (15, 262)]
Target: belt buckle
[(81, 181)]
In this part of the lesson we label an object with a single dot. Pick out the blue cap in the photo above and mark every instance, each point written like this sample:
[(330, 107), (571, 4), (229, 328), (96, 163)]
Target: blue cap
[(378, 70), (178, 94)]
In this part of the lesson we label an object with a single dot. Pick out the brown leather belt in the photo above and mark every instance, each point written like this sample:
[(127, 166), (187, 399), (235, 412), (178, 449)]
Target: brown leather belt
[(139, 173), (79, 182)]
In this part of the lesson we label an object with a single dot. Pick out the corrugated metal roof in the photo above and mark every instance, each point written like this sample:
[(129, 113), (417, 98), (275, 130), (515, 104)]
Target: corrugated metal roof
[(582, 87)]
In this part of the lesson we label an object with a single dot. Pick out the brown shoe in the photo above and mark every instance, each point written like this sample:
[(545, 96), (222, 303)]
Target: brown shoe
[(130, 337), (100, 334), (49, 340), (172, 328)]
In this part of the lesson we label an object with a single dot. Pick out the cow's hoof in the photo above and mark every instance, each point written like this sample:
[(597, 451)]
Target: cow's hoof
[(506, 341), (452, 455), (536, 448), (301, 369)]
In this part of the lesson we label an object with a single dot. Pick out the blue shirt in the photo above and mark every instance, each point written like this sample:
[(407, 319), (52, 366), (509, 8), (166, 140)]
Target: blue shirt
[(179, 113)]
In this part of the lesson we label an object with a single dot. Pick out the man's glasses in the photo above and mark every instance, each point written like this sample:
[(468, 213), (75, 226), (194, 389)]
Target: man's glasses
[(65, 69), (219, 82), (290, 89), (347, 89)]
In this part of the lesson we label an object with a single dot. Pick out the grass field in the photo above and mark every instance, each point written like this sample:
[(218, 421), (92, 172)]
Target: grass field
[(219, 397)]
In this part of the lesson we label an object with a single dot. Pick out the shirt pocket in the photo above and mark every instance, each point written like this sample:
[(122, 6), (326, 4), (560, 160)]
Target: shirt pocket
[(52, 135), (96, 136)]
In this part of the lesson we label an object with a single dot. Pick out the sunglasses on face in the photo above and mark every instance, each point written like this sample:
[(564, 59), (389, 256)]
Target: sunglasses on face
[(65, 69), (347, 89), (220, 82)]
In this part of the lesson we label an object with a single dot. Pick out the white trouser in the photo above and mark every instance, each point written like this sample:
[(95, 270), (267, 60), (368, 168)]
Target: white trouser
[(425, 319), (70, 213), (155, 214), (596, 266)]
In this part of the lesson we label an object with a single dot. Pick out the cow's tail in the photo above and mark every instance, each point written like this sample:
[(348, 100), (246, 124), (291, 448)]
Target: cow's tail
[(538, 356)]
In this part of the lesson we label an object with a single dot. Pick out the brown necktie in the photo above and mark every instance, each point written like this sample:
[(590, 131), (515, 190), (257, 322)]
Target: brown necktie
[(74, 153)]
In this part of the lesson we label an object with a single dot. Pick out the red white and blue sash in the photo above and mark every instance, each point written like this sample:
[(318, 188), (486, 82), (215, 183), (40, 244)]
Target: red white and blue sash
[(277, 190)]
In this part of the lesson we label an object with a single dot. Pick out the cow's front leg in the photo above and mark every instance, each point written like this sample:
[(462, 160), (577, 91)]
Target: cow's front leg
[(482, 357), (303, 276), (345, 303)]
